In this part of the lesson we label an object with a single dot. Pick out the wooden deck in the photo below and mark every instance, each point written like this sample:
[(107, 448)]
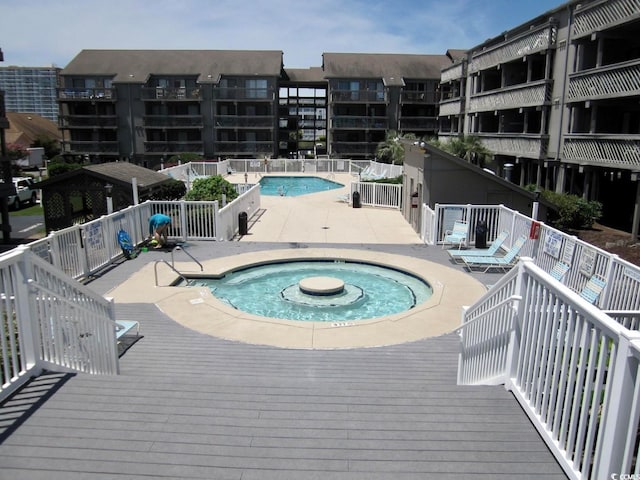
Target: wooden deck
[(190, 406)]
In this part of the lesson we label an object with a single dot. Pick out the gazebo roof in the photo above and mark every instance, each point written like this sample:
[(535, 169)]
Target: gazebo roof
[(117, 173)]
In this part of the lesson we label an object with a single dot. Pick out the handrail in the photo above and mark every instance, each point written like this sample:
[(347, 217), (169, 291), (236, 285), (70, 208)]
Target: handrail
[(512, 298), (189, 255), (155, 270)]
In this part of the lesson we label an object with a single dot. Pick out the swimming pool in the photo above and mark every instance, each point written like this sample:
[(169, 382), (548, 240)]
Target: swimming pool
[(292, 186), (275, 290)]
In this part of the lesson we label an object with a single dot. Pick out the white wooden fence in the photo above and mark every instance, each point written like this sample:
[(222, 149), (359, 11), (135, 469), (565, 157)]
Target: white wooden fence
[(573, 369)]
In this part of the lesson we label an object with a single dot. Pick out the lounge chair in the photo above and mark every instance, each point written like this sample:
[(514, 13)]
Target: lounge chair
[(457, 254), (457, 235), (502, 263), (593, 288), (345, 198), (124, 326)]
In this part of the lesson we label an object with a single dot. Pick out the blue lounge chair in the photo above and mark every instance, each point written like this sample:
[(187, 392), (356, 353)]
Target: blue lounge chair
[(457, 235), (593, 288), (457, 254), (502, 263)]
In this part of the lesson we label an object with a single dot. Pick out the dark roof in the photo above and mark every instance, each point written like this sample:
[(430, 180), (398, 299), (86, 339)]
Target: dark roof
[(115, 172), (456, 55), (313, 74), (392, 68), (207, 65)]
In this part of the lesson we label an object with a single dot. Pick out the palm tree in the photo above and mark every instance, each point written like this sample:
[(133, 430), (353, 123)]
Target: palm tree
[(391, 149), (469, 148)]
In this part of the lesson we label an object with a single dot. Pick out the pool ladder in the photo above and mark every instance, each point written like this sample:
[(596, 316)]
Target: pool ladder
[(172, 265)]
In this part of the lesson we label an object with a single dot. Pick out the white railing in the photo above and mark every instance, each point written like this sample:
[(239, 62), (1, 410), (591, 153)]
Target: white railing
[(529, 94), (603, 149), (517, 144), (229, 216), (573, 369), (50, 321), (599, 16), (388, 195), (428, 225)]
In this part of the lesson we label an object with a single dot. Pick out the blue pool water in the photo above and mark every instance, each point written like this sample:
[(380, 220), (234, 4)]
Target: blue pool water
[(295, 186), (272, 291)]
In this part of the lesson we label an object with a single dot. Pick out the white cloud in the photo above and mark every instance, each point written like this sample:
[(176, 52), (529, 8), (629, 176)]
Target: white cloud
[(41, 32)]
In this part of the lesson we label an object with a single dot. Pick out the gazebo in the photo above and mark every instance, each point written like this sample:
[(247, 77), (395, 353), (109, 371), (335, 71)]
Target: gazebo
[(81, 195)]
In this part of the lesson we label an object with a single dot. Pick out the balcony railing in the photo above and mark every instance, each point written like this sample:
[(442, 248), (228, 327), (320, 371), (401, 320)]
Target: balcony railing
[(419, 97), (517, 96), (533, 41), (173, 147), (602, 15), (175, 121), (622, 79), (621, 151), (252, 94), (522, 145), (90, 147), (87, 94), (451, 107), (374, 123), (358, 96), (454, 72), (354, 147), (419, 123), (234, 121), (162, 93), (88, 121), (243, 147)]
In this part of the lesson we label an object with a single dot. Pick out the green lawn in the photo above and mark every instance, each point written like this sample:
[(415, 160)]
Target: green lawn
[(32, 210)]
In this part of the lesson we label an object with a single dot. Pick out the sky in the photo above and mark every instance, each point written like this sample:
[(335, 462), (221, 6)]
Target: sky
[(42, 33)]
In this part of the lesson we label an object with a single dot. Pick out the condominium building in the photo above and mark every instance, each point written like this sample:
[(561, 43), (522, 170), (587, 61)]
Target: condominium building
[(557, 102), (31, 90), (147, 106)]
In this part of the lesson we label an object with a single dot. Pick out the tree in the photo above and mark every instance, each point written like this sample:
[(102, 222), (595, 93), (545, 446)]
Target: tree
[(211, 188), (58, 165), (16, 152), (469, 148), (391, 149), (171, 190), (50, 145)]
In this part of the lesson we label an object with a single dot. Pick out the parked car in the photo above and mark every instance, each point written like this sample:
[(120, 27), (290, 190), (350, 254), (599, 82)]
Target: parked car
[(25, 194)]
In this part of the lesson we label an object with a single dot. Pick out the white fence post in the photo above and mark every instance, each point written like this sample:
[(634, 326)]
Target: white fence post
[(620, 414)]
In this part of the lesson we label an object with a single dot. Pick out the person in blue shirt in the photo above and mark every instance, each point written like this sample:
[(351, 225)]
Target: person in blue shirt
[(158, 226)]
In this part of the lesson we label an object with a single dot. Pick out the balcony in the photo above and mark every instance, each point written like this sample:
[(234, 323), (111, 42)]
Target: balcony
[(170, 94), (358, 96), (104, 94), (243, 147), (173, 147), (516, 145), (606, 150), (532, 94), (451, 107), (603, 15), (419, 123), (359, 123), (250, 94), (88, 121), (455, 72), (605, 82), (91, 147), (235, 121), (173, 121), (359, 148), (536, 40), (418, 98)]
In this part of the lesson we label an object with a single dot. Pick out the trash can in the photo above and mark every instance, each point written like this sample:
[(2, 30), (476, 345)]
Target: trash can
[(481, 234), (356, 200), (243, 222)]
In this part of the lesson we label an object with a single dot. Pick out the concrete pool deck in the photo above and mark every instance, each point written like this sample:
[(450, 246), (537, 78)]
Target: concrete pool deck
[(196, 308)]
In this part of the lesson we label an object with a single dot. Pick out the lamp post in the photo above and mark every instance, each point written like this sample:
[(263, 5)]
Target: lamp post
[(108, 189)]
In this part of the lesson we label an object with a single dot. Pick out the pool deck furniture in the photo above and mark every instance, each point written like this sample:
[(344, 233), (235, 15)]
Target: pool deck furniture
[(457, 235), (496, 263), (458, 254), (559, 270), (593, 288)]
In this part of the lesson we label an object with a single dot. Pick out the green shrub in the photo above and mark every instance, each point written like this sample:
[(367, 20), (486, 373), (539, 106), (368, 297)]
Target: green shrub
[(211, 188), (173, 190), (572, 212)]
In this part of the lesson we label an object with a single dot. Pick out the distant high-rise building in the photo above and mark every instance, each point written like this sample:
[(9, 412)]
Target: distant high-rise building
[(30, 90)]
